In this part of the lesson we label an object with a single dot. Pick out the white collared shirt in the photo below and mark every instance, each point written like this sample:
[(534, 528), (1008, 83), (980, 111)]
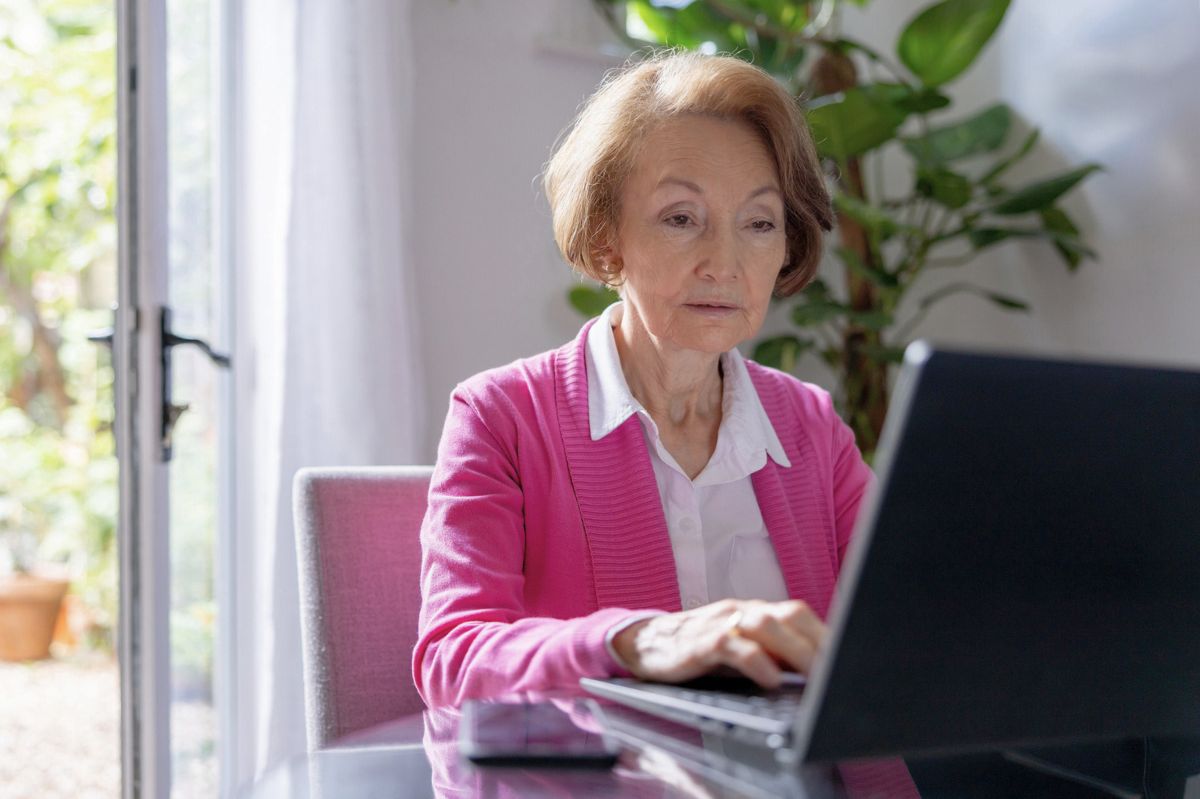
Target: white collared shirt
[(718, 536)]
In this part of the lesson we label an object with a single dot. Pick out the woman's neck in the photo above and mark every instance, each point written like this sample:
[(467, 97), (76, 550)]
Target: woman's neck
[(676, 386)]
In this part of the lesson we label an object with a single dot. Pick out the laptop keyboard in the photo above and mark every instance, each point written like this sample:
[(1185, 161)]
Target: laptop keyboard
[(745, 713), (780, 708)]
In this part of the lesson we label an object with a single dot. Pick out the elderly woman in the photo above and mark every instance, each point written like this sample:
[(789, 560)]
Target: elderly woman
[(643, 500)]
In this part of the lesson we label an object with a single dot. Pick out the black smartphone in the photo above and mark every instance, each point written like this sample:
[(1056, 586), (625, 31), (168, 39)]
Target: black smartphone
[(530, 734)]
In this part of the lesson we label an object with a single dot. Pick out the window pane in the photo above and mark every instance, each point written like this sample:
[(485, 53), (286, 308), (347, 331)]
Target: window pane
[(193, 123)]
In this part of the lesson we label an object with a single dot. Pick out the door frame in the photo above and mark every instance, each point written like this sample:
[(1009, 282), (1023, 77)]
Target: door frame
[(143, 625), (143, 530)]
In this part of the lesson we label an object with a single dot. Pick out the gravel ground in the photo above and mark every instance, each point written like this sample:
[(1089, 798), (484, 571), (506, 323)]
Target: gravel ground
[(60, 733)]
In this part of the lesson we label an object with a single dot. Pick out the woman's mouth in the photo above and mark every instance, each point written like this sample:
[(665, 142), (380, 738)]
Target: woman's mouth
[(715, 310)]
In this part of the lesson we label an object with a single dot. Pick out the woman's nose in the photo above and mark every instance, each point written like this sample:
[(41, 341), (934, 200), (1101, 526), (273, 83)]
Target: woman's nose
[(720, 259)]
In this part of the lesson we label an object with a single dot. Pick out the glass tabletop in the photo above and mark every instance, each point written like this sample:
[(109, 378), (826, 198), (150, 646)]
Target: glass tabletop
[(418, 756)]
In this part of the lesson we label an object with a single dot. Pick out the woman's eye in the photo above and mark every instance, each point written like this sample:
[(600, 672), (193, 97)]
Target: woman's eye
[(762, 224), (678, 220)]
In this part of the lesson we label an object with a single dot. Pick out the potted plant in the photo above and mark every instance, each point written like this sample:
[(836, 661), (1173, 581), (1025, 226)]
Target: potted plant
[(864, 106), (30, 600)]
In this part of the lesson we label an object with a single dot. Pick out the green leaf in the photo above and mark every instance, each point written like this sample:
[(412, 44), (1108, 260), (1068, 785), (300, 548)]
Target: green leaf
[(657, 21), (1041, 194), (591, 301), (873, 320), (815, 312), (874, 220), (1002, 300), (945, 186), (69, 29), (780, 58), (1009, 303), (986, 237), (781, 352), (775, 12), (688, 26), (818, 289), (912, 100), (1072, 245), (942, 41), (1056, 220), (877, 276), (982, 133), (850, 123), (1003, 165), (703, 21)]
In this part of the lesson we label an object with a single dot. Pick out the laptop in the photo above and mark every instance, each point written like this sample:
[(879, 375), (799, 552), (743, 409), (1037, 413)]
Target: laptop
[(1026, 570)]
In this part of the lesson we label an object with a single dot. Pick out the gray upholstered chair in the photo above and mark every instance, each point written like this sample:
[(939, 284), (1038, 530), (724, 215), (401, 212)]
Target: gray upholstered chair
[(360, 559)]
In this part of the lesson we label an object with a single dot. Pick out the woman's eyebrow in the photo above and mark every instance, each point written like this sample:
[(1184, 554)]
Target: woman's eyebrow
[(670, 180), (767, 189), (674, 181)]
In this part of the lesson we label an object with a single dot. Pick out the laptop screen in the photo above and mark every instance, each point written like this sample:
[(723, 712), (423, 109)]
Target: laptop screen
[(1028, 568)]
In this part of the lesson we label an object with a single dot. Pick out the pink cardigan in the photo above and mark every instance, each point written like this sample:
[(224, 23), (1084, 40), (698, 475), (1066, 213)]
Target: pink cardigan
[(538, 539)]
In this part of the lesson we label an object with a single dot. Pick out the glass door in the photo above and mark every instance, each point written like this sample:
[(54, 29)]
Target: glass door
[(173, 333)]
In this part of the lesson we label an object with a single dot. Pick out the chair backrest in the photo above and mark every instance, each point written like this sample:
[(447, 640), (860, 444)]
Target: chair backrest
[(359, 557)]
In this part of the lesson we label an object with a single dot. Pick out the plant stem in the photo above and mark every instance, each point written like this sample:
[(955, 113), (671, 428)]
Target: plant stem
[(878, 58)]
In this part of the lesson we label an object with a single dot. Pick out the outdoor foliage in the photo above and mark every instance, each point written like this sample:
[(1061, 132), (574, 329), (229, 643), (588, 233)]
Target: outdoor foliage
[(58, 470), (860, 104)]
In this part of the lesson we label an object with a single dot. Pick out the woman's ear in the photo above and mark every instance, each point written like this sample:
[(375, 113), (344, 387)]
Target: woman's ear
[(609, 254), (610, 262)]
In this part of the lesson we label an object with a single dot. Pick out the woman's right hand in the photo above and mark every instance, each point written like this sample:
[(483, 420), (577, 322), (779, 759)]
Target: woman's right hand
[(759, 639)]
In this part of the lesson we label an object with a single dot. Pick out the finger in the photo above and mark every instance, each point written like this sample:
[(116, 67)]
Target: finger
[(750, 659), (802, 618), (778, 639)]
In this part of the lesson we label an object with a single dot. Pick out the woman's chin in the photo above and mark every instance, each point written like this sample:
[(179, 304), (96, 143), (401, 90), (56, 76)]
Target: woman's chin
[(711, 339)]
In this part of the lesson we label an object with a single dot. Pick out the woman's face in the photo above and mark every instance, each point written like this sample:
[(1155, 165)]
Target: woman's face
[(700, 236)]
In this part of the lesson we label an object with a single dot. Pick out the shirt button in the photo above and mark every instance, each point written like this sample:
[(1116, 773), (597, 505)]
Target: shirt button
[(687, 524), (692, 603)]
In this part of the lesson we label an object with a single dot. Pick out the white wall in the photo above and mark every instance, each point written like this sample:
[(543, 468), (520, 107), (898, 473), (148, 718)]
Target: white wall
[(491, 100), (1106, 80)]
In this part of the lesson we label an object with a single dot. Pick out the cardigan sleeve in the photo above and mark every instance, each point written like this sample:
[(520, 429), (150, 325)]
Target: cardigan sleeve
[(475, 638), (851, 479)]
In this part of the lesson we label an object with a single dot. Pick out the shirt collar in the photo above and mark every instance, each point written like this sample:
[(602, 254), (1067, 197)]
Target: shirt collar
[(744, 422)]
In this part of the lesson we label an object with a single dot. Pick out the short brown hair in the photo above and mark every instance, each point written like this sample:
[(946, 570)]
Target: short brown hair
[(584, 177)]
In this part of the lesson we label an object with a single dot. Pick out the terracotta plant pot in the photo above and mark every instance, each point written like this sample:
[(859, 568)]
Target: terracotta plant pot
[(28, 609)]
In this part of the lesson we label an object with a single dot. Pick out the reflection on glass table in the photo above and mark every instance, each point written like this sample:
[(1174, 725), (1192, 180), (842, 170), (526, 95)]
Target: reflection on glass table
[(420, 756)]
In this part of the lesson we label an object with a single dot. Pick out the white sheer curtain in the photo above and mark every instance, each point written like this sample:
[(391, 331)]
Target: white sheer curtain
[(326, 347)]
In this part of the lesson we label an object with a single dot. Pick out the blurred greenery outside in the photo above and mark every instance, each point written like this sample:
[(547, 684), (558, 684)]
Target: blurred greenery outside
[(58, 469)]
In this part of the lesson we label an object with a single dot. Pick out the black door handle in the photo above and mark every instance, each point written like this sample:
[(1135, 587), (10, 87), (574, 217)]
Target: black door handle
[(103, 337), (169, 339)]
